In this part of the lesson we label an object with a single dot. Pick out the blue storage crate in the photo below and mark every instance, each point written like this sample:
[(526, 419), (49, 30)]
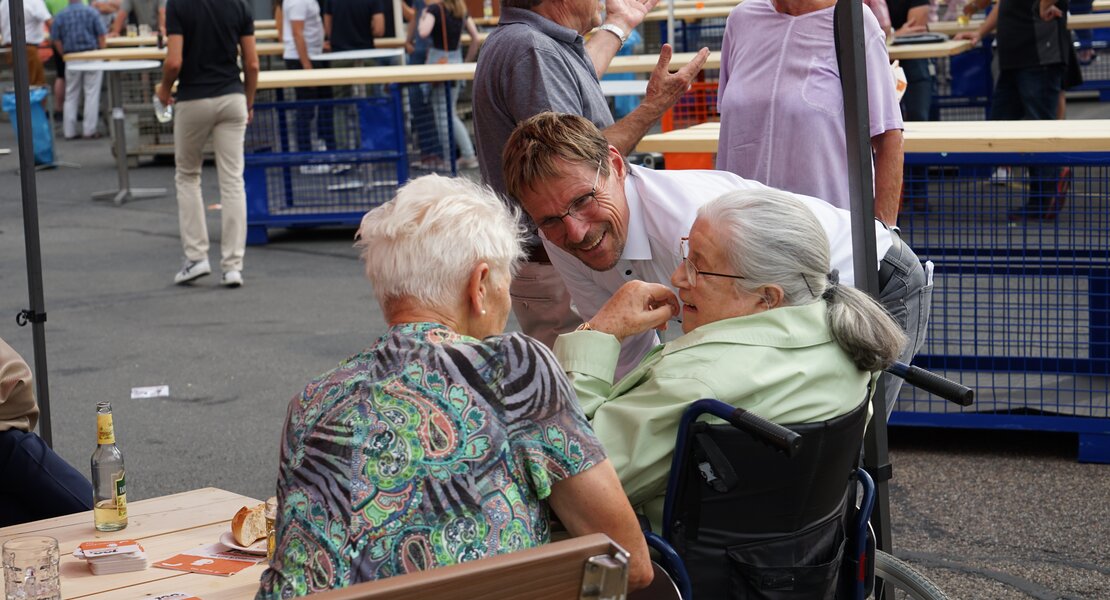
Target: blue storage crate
[(323, 162), (1021, 307)]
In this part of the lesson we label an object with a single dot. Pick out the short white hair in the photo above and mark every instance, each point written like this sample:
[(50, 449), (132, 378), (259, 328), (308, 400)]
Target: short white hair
[(424, 242)]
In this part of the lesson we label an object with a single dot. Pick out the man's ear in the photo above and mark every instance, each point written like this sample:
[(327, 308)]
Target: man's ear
[(619, 168)]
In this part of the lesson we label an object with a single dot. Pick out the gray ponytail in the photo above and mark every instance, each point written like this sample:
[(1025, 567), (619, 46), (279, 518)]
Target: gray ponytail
[(773, 238)]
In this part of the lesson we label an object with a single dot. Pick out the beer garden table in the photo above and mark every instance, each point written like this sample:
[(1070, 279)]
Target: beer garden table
[(165, 526)]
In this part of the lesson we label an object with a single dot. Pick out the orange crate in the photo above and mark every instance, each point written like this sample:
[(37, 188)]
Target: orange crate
[(698, 105)]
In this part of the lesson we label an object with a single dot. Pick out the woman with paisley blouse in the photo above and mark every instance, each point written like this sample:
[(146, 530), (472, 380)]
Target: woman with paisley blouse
[(446, 440)]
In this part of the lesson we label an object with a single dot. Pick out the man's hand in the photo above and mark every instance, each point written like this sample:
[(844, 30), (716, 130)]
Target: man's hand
[(971, 36), (665, 88), (250, 114), (1050, 11), (409, 47), (636, 307), (163, 94), (627, 14)]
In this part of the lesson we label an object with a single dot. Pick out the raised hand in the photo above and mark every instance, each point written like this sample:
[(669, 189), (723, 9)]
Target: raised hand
[(636, 307), (665, 88), (627, 14)]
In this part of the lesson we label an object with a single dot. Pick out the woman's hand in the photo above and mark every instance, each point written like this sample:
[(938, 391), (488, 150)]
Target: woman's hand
[(636, 307)]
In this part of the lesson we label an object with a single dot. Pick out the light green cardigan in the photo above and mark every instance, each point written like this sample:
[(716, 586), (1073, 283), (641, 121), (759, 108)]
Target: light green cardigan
[(781, 364)]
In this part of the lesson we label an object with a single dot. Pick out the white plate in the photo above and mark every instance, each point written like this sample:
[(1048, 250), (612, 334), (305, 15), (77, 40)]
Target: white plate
[(258, 547)]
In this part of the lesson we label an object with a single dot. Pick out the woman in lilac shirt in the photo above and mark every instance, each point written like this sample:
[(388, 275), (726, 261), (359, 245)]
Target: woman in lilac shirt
[(782, 109)]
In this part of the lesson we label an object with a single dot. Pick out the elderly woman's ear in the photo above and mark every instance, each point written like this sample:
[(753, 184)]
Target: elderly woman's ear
[(772, 296), (479, 287)]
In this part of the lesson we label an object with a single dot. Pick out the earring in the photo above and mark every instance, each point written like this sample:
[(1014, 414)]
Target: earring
[(483, 312)]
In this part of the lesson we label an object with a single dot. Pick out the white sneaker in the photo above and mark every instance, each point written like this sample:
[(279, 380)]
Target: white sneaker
[(1001, 176), (192, 269), (232, 279), (468, 162), (315, 169), (339, 168)]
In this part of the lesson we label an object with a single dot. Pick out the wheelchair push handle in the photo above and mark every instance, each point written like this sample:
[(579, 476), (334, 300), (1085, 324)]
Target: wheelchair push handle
[(934, 384), (763, 430)]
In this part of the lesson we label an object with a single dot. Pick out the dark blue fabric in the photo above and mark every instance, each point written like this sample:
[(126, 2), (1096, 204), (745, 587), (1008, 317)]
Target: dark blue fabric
[(42, 485), (325, 122), (1031, 94), (77, 27)]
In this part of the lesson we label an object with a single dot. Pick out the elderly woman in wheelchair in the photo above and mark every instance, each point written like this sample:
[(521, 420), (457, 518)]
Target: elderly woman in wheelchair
[(767, 329)]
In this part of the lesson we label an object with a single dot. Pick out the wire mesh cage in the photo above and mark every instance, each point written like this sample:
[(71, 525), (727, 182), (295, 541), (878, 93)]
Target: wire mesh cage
[(322, 160), (1021, 305)]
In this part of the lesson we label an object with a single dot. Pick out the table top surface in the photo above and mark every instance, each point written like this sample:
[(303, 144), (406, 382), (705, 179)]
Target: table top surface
[(642, 63), (164, 526), (359, 54), (937, 136), (1088, 21), (623, 87), (114, 65)]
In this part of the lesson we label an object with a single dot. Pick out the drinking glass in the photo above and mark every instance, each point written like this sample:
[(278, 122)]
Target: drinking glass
[(31, 568), (271, 517)]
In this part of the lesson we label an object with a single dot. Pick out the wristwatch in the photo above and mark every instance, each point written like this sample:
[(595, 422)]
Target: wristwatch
[(617, 31)]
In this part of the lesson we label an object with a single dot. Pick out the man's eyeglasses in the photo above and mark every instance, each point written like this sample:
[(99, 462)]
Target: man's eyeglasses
[(555, 227), (692, 272)]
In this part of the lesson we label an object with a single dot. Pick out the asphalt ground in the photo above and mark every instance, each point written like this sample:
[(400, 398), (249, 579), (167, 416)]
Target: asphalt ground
[(984, 514)]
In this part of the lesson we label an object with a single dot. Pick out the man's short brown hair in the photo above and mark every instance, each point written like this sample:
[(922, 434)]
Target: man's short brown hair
[(538, 146)]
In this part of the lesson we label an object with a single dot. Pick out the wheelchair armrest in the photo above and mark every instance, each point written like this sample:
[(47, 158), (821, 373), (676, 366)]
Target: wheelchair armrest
[(671, 563)]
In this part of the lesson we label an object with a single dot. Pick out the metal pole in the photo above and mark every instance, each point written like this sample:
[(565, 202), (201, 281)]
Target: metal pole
[(670, 25), (853, 66), (36, 315)]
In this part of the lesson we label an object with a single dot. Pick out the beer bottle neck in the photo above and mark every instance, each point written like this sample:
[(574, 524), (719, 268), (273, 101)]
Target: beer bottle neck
[(105, 432)]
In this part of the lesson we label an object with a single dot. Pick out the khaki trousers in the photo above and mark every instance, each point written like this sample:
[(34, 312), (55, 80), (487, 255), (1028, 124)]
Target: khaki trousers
[(225, 119)]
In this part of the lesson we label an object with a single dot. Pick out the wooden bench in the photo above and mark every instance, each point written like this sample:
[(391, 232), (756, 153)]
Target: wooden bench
[(588, 567)]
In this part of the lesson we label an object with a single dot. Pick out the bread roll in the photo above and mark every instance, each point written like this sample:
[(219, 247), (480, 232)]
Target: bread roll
[(249, 525)]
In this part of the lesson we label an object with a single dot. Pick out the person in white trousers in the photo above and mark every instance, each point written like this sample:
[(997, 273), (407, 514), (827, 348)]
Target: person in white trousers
[(79, 28)]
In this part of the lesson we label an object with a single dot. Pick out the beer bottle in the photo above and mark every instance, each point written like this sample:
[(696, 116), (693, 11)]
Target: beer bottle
[(109, 487)]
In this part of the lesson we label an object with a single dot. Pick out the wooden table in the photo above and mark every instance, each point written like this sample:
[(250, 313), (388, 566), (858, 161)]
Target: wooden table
[(1093, 20), (641, 63), (165, 526), (937, 136)]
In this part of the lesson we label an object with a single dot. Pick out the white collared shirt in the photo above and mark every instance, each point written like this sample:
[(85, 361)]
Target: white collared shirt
[(662, 206), (35, 16)]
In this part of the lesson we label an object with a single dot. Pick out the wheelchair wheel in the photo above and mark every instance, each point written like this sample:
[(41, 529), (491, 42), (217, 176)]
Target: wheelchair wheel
[(901, 581)]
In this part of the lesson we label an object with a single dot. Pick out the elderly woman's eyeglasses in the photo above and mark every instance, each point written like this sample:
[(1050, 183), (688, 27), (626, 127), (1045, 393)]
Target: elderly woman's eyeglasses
[(554, 227), (692, 272)]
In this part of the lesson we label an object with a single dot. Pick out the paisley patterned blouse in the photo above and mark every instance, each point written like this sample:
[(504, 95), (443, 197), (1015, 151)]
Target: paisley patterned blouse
[(427, 449)]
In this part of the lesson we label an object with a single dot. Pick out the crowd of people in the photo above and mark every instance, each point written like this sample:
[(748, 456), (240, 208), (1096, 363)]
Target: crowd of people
[(637, 291)]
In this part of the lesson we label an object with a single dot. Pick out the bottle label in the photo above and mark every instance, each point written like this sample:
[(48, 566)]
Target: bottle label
[(121, 496), (105, 433)]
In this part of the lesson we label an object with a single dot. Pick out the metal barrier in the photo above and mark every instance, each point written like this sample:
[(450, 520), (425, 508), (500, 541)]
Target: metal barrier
[(326, 161), (1021, 307)]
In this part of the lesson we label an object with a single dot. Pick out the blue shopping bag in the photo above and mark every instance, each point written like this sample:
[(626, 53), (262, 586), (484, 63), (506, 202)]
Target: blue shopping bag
[(41, 135)]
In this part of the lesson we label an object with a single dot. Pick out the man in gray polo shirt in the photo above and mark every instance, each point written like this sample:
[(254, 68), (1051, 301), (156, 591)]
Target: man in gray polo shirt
[(536, 61)]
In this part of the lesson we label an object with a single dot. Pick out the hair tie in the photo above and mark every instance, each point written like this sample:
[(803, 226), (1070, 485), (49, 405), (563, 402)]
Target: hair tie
[(834, 283)]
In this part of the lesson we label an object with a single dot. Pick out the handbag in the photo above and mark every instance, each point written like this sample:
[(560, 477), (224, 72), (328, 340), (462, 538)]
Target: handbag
[(443, 27)]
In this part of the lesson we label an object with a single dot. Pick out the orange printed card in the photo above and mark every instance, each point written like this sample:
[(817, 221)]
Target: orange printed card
[(105, 548), (210, 560)]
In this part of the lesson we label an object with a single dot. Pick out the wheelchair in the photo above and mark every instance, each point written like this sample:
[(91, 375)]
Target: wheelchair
[(803, 530)]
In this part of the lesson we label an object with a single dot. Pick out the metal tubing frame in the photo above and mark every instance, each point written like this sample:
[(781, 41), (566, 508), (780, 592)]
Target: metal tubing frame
[(848, 25), (36, 315)]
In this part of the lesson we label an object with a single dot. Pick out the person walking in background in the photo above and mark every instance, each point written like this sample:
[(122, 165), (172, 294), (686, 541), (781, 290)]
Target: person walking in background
[(442, 23), (303, 37), (42, 484), (420, 114), (107, 10), (78, 28), (206, 39), (353, 24), (910, 17), (36, 20), (147, 12)]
